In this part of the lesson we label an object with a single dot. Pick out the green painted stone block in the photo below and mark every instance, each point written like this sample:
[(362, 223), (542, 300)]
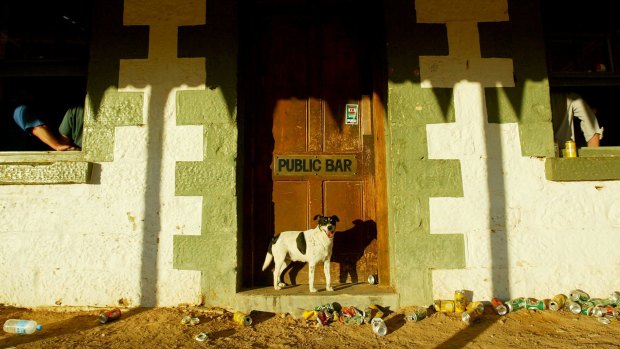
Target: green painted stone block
[(198, 107), (212, 178), (219, 215), (537, 139), (45, 172), (582, 169), (204, 252), (220, 141), (119, 109)]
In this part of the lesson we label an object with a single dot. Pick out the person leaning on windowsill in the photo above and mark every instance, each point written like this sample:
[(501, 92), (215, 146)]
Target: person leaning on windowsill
[(69, 135), (569, 106)]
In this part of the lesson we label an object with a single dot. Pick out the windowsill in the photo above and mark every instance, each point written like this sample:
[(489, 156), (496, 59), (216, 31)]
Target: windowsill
[(45, 167), (593, 164)]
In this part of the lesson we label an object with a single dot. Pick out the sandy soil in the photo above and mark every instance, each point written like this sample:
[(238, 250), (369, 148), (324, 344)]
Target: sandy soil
[(163, 328)]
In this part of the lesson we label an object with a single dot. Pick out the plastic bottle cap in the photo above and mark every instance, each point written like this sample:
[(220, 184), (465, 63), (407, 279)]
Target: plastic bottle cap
[(39, 327)]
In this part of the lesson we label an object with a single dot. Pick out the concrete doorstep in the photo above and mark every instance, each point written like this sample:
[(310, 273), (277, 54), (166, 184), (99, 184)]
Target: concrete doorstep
[(297, 298)]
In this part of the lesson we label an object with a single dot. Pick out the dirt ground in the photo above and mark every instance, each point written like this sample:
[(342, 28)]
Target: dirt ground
[(163, 328)]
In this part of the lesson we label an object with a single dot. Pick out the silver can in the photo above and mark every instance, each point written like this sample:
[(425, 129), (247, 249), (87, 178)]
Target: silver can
[(373, 279)]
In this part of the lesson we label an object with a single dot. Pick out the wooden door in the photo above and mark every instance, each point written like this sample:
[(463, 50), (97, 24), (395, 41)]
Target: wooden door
[(310, 139)]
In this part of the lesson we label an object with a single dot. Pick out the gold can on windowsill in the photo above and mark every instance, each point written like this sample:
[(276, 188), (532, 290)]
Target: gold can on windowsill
[(570, 149)]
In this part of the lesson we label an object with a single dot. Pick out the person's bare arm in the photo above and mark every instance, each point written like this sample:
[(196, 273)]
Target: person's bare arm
[(595, 141), (43, 133)]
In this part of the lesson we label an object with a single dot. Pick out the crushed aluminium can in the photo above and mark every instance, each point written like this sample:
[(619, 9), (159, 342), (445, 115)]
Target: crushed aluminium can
[(499, 306), (579, 296), (515, 304), (242, 318), (606, 320), (324, 317), (417, 314), (470, 316), (479, 306), (573, 306), (373, 279), (557, 302), (460, 303), (352, 316), (614, 298), (376, 311), (378, 326), (603, 311), (109, 315), (445, 306), (536, 304), (587, 310), (310, 314)]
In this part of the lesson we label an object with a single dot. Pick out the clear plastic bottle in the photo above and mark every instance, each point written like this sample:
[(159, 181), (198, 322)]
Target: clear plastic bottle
[(21, 326)]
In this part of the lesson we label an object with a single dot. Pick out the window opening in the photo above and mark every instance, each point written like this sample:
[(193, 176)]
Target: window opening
[(583, 57), (44, 52)]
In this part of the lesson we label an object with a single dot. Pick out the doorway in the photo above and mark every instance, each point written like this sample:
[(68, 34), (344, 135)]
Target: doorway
[(312, 109)]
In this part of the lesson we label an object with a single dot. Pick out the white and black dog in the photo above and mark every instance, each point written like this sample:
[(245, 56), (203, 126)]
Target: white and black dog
[(312, 246)]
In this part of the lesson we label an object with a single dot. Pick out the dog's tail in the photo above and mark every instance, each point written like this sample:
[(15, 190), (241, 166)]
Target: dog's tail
[(268, 259), (269, 256)]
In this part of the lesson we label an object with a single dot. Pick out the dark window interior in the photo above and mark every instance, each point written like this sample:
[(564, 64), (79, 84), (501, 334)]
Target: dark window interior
[(583, 56), (44, 52)]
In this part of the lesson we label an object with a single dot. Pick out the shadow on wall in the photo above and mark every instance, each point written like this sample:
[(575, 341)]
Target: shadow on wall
[(350, 247)]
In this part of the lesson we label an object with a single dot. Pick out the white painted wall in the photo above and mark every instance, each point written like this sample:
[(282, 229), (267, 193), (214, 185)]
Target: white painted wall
[(85, 244), (524, 235)]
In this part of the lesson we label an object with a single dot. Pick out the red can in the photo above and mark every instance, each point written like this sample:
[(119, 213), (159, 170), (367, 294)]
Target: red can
[(499, 306), (109, 315)]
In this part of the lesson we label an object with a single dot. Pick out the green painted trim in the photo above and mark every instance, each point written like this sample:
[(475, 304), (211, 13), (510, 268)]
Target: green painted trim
[(215, 252), (599, 152), (45, 173), (413, 180), (582, 169)]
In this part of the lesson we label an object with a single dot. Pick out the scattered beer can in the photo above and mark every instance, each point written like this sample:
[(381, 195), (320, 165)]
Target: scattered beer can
[(515, 304), (574, 307), (614, 298), (201, 337), (373, 279), (603, 311), (445, 306), (310, 314), (579, 296), (242, 318), (499, 306), (109, 315), (324, 317), (586, 310), (598, 301), (478, 306), (617, 313), (604, 320), (378, 326), (376, 311), (189, 320), (417, 314), (470, 316), (352, 316), (535, 304), (460, 303), (557, 302), (329, 306)]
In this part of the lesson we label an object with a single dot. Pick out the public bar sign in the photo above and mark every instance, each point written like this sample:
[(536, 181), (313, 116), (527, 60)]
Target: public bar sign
[(315, 165)]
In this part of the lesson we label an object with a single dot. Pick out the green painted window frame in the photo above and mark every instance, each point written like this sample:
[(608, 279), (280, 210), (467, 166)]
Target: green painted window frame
[(24, 168), (592, 164)]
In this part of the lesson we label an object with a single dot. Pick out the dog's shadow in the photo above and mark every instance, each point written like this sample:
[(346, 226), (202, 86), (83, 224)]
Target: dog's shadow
[(349, 248)]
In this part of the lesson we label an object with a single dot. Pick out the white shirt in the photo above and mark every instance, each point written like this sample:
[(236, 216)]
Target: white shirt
[(565, 107)]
